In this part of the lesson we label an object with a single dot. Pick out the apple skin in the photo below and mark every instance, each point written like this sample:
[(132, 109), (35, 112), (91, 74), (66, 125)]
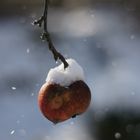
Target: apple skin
[(59, 103)]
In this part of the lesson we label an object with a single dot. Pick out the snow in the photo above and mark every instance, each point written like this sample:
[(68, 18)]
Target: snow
[(28, 50), (32, 94), (12, 132), (65, 77), (13, 88), (117, 135)]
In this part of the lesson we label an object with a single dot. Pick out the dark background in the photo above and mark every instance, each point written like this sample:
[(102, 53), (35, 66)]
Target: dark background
[(104, 38)]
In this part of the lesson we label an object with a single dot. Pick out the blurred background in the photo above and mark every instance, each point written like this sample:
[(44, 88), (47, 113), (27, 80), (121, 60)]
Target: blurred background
[(103, 36)]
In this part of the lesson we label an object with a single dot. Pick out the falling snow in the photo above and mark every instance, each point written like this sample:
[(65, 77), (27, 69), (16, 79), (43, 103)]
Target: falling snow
[(13, 88), (132, 37), (12, 132), (117, 135), (28, 50), (32, 94)]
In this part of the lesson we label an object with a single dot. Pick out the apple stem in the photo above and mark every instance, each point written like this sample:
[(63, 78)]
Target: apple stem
[(46, 35)]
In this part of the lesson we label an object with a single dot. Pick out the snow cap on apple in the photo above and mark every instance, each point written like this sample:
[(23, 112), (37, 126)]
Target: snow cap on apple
[(65, 94), (65, 77)]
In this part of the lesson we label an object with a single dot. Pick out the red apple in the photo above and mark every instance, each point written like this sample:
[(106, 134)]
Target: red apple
[(59, 103)]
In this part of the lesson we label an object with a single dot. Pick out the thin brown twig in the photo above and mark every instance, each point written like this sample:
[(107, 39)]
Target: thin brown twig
[(46, 35)]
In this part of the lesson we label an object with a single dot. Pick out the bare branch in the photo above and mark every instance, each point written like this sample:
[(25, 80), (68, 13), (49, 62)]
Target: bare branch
[(46, 36)]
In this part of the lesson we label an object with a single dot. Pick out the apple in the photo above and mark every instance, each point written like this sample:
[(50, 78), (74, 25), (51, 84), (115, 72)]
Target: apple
[(59, 103)]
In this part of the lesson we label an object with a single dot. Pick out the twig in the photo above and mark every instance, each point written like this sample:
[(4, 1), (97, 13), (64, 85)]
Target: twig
[(46, 36)]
